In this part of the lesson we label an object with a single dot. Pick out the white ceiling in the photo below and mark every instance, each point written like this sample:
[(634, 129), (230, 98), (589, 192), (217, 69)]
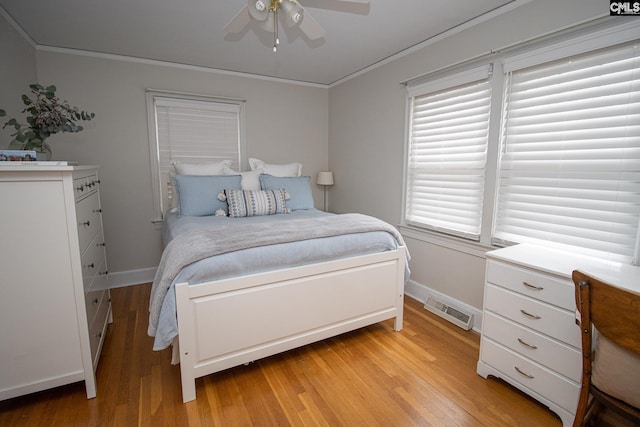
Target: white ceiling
[(192, 32)]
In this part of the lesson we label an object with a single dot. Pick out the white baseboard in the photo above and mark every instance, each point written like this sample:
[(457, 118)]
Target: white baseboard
[(131, 277), (419, 292)]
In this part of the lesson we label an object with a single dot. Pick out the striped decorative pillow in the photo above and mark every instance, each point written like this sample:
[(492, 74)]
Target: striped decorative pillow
[(256, 202)]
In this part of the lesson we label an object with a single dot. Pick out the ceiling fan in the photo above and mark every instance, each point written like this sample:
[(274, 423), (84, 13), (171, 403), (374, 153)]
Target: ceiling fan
[(266, 13)]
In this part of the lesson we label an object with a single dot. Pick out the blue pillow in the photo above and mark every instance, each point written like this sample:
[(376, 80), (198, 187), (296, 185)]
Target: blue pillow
[(299, 188), (197, 195)]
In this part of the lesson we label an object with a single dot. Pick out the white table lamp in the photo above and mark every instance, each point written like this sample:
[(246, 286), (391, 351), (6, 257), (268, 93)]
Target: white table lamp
[(325, 178)]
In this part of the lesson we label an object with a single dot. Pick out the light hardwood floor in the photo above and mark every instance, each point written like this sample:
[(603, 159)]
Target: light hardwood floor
[(424, 375)]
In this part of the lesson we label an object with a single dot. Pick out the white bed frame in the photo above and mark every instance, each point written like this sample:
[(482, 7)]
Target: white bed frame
[(226, 323)]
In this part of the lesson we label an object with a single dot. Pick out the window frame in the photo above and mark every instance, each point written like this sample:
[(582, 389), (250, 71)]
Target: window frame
[(584, 38), (158, 187), (455, 81), (541, 190)]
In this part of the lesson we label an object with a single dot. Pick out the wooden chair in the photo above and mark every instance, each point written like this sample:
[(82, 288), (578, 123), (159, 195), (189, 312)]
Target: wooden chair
[(611, 373)]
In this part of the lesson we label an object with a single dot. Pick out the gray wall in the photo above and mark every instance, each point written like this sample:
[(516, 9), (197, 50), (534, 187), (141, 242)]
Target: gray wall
[(17, 72), (355, 128), (367, 130), (285, 123)]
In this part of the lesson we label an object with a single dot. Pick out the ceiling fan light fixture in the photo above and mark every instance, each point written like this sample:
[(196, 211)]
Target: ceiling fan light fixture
[(293, 12), (265, 12), (258, 9)]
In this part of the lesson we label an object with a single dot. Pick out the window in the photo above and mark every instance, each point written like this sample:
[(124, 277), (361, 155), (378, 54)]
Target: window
[(565, 136), (190, 129), (570, 160), (447, 153)]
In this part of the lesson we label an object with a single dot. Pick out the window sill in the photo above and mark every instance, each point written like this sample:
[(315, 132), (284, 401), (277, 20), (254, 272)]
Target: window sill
[(450, 242)]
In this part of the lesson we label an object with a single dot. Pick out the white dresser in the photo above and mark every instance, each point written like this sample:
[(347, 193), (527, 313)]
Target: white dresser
[(54, 297), (529, 335)]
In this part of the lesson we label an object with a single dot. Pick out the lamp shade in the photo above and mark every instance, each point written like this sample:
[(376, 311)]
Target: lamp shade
[(325, 178)]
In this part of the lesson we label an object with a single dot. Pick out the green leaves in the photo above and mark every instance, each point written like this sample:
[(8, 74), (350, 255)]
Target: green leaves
[(48, 115)]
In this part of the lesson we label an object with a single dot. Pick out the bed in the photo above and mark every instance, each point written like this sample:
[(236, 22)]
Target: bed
[(231, 290)]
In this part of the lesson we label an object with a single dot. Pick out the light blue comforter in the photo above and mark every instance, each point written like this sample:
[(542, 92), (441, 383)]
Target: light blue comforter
[(163, 321)]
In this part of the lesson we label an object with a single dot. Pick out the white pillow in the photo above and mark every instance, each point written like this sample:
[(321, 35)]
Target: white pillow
[(250, 179), (279, 170), (201, 168)]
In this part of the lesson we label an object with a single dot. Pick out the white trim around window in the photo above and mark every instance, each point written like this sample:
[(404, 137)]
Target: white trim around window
[(617, 164), (448, 131), (190, 128)]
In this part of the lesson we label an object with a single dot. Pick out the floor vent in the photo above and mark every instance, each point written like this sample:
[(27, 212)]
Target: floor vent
[(453, 315)]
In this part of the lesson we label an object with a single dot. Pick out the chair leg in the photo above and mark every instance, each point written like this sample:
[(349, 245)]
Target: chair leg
[(593, 413)]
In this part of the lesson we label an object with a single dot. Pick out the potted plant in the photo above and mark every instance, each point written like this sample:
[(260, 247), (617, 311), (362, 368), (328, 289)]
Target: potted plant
[(48, 115)]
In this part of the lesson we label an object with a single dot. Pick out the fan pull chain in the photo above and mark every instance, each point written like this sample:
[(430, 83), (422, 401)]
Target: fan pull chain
[(276, 39)]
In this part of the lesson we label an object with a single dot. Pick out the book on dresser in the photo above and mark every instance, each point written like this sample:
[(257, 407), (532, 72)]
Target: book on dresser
[(54, 298)]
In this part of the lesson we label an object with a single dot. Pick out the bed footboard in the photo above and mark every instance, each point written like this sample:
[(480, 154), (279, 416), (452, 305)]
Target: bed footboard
[(230, 322)]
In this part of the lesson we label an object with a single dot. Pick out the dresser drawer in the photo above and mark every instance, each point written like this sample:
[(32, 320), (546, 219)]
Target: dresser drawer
[(552, 354), (93, 299), (559, 390), (552, 321), (533, 284), (97, 327), (89, 218), (100, 280), (84, 184), (93, 261)]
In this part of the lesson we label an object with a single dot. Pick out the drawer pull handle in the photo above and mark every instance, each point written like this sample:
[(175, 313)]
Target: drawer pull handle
[(81, 188), (526, 344), (534, 287), (103, 273), (99, 335), (103, 244), (529, 315), (92, 265), (97, 211), (95, 301), (87, 223), (521, 372)]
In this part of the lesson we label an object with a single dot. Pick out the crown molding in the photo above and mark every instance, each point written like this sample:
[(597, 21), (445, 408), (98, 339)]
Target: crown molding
[(432, 40), (133, 59), (17, 27)]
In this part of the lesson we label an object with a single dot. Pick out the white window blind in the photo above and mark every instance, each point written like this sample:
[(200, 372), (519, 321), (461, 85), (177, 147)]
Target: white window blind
[(448, 134), (190, 130), (570, 154), (197, 131)]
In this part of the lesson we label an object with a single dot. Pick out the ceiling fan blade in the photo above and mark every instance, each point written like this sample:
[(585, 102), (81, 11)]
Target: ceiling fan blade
[(310, 27), (239, 21)]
